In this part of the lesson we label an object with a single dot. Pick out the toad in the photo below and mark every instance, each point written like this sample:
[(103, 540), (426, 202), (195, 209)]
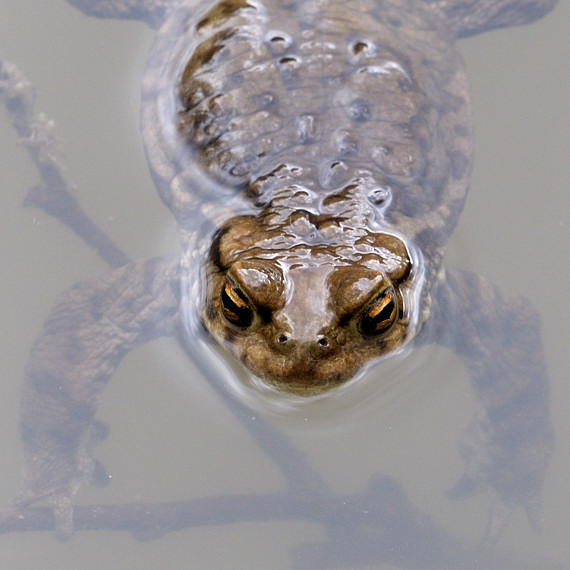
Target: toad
[(316, 155)]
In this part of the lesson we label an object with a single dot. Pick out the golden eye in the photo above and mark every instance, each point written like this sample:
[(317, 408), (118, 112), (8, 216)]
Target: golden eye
[(379, 316), (235, 305)]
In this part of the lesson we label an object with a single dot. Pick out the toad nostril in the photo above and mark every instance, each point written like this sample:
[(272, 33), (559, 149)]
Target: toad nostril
[(282, 339)]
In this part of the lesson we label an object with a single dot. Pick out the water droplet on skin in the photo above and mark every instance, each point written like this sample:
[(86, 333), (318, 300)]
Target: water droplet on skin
[(346, 142), (305, 127), (380, 196), (333, 174), (278, 41), (359, 110)]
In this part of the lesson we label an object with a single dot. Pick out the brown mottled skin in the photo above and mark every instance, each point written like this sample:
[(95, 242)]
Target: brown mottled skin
[(316, 155)]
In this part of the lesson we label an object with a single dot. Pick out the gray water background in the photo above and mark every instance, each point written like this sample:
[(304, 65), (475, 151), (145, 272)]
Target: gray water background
[(171, 437)]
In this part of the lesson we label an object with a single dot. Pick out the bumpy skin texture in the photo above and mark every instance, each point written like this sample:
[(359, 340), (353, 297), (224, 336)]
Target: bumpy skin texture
[(343, 138), (90, 329), (316, 155)]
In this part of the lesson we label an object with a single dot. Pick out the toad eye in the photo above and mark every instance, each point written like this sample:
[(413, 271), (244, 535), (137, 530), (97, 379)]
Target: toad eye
[(235, 305), (380, 314)]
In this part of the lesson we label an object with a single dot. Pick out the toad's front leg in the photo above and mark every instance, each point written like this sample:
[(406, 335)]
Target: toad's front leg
[(150, 11), (508, 444), (90, 329)]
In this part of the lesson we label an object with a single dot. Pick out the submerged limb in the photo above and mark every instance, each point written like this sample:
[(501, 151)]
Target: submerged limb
[(82, 343), (467, 18), (90, 329), (508, 444), (53, 194), (150, 11)]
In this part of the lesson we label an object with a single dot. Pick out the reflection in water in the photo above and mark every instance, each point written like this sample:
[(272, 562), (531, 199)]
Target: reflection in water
[(305, 238)]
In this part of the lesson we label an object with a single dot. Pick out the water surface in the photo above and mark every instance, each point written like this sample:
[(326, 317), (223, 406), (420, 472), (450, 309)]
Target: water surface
[(172, 437)]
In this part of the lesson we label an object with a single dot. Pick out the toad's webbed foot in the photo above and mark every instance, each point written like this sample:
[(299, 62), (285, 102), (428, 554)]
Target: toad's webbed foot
[(507, 446), (90, 329), (55, 470), (512, 476)]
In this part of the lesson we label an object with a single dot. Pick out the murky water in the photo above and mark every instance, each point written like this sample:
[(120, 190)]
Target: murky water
[(172, 437)]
